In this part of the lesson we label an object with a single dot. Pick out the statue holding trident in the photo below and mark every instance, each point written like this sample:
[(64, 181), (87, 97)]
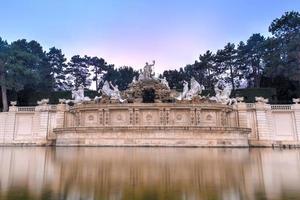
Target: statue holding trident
[(148, 71)]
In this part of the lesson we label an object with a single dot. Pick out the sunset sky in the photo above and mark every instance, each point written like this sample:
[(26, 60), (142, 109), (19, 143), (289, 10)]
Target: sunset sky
[(132, 32)]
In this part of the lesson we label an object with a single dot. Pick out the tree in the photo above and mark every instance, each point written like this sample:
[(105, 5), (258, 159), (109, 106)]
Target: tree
[(33, 59), (98, 67), (126, 75), (19, 65), (78, 69), (226, 61), (210, 70), (283, 49), (122, 76), (57, 62), (250, 59), (175, 77), (4, 51), (285, 26)]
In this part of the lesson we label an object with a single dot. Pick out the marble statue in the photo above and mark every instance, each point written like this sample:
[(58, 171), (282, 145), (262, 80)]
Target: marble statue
[(261, 100), (78, 95), (239, 99), (112, 93), (296, 100), (141, 75), (43, 102), (13, 103), (148, 71), (133, 80), (106, 89), (165, 82), (223, 95), (188, 94), (185, 91), (196, 89), (97, 99)]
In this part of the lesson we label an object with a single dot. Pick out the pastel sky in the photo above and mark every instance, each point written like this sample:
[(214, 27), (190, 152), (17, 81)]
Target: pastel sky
[(131, 32)]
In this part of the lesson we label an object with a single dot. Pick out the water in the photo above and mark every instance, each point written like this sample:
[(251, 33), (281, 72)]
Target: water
[(148, 173)]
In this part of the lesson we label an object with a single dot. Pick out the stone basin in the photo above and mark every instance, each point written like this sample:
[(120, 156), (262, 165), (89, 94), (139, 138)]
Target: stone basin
[(154, 124)]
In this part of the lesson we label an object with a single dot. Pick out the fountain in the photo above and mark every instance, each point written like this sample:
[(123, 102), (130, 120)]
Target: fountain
[(148, 113)]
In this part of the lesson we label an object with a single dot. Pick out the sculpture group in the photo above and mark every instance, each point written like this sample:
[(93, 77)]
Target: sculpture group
[(112, 92)]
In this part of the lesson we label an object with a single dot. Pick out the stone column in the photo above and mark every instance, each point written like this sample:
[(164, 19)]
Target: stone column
[(131, 116), (167, 116), (161, 116), (192, 116), (106, 117), (136, 116), (198, 116), (101, 117)]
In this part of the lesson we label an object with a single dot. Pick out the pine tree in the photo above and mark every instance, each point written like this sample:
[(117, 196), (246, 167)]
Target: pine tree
[(57, 62), (78, 69)]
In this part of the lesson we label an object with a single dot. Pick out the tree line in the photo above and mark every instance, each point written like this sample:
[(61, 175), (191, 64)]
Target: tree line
[(260, 61)]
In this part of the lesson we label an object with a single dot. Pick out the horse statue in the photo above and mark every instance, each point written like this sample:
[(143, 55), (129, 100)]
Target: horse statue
[(196, 89)]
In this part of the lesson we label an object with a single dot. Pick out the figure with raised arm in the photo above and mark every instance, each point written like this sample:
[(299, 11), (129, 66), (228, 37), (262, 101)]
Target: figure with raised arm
[(148, 71)]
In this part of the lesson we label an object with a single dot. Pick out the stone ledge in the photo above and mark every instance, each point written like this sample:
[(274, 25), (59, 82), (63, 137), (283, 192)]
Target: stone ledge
[(153, 136)]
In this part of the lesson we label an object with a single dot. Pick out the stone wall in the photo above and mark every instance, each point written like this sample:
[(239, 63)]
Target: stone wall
[(27, 125), (271, 125)]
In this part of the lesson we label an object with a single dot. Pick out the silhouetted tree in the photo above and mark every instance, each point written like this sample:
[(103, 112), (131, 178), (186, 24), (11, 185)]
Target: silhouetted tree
[(78, 68), (57, 62)]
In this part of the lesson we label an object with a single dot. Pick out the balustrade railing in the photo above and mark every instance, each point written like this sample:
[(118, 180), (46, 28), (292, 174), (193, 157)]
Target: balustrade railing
[(281, 107), (26, 109), (250, 105)]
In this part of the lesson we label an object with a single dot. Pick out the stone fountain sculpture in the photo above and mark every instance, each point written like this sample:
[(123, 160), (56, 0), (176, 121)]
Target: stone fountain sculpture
[(78, 95), (146, 82), (151, 116), (223, 95), (165, 82), (113, 93), (185, 91), (148, 70), (196, 89), (188, 94)]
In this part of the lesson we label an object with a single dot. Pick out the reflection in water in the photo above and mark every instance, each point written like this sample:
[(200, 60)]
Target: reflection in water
[(148, 173)]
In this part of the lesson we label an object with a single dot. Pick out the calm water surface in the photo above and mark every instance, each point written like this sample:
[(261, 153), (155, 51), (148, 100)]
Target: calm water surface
[(148, 173)]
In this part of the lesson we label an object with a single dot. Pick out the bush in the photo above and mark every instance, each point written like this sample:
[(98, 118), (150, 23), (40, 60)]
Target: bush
[(249, 94)]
